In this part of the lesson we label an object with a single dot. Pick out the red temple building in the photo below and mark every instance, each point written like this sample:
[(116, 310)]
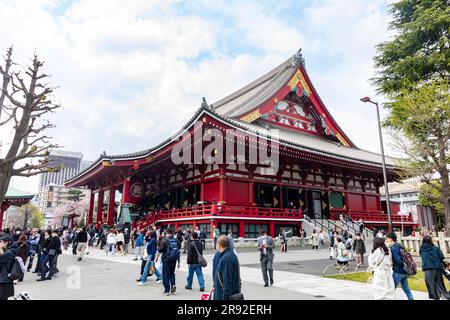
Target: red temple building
[(320, 173)]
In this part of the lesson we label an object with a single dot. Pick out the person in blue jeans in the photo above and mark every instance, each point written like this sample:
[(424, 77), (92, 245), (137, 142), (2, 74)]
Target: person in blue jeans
[(170, 250), (194, 248), (399, 274), (151, 253)]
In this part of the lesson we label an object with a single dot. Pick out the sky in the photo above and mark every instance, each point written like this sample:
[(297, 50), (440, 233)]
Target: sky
[(130, 73)]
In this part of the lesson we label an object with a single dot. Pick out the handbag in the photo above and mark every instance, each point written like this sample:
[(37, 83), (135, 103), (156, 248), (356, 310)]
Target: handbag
[(201, 261)]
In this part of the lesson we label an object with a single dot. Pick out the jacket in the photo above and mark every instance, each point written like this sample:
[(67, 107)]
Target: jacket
[(82, 237), (54, 244), (202, 235), (6, 262), (151, 248), (269, 249), (215, 264), (192, 256), (359, 246), (397, 259), (140, 240), (432, 257), (227, 280), (33, 243)]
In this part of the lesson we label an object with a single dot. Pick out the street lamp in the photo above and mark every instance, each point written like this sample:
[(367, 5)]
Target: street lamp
[(365, 100)]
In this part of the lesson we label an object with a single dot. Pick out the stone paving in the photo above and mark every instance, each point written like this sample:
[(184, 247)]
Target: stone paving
[(114, 277)]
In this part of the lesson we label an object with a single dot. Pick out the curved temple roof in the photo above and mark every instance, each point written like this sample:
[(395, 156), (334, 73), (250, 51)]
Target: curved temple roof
[(243, 101)]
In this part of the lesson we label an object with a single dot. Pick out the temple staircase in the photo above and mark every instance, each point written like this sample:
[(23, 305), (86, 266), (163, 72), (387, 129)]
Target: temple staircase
[(328, 225)]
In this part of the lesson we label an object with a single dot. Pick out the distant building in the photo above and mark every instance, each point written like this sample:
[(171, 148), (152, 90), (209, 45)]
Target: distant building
[(71, 165), (52, 192), (404, 198)]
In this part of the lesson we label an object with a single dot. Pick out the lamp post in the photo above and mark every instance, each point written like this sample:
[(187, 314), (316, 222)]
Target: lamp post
[(386, 188)]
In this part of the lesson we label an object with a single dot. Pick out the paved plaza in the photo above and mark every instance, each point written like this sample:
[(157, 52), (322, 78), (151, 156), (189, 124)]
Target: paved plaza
[(297, 276)]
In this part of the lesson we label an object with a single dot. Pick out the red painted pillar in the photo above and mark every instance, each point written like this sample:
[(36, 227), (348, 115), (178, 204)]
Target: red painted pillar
[(272, 229), (2, 210), (91, 207), (222, 191), (202, 187), (241, 232), (251, 189), (126, 190), (111, 212), (211, 235), (100, 207)]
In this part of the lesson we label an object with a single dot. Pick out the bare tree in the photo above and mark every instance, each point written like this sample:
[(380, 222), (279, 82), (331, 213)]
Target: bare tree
[(24, 103)]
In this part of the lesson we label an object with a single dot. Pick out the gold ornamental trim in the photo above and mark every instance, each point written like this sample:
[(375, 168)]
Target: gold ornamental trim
[(252, 116), (299, 78)]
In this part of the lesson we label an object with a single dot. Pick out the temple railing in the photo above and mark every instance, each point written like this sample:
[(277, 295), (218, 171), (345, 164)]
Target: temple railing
[(223, 210), (379, 216)]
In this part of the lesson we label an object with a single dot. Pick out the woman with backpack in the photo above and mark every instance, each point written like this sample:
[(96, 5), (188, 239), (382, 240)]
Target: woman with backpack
[(8, 252), (433, 266), (348, 246), (380, 262)]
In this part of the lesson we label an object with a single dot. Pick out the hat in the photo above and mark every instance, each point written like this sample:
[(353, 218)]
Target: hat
[(5, 237)]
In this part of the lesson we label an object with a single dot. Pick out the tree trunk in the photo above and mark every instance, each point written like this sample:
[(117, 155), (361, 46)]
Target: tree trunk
[(445, 199), (26, 217), (5, 177)]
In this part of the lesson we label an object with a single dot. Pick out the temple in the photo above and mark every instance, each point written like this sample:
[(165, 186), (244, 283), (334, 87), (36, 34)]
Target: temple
[(269, 155), (13, 197)]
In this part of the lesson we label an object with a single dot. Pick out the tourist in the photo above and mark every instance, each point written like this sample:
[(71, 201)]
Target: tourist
[(361, 226), (341, 254), (54, 265), (126, 243), (40, 252), (227, 280), (23, 250), (33, 243), (187, 238), (216, 233), (151, 249), (74, 241), (215, 263), (111, 243), (359, 247), (349, 247), (303, 237), (8, 252), (82, 242), (194, 249), (197, 230), (321, 239), (180, 236), (432, 265), (231, 240), (170, 249), (51, 246), (315, 240), (139, 245), (120, 239), (282, 238), (380, 262), (400, 275), (202, 237), (265, 246)]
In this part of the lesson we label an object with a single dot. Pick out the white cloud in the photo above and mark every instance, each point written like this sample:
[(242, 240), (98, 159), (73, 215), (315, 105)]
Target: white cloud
[(131, 73)]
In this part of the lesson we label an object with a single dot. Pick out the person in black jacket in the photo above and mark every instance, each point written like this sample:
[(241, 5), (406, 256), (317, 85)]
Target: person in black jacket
[(193, 265), (40, 252), (227, 280), (49, 252), (8, 252)]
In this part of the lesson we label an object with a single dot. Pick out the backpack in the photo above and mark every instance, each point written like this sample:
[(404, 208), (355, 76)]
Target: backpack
[(348, 245), (409, 265), (173, 252), (17, 269)]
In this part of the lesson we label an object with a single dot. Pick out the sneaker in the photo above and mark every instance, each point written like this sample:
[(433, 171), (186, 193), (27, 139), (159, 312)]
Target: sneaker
[(187, 288), (134, 259), (202, 289), (159, 281), (271, 282), (41, 279), (79, 259), (142, 284), (266, 284), (174, 289), (166, 293)]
